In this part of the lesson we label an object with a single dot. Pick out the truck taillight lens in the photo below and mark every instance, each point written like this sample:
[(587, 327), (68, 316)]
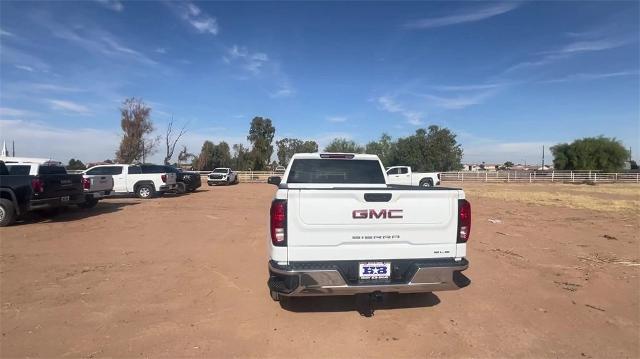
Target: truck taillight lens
[(164, 178), (37, 185), (86, 183), (464, 220), (279, 222)]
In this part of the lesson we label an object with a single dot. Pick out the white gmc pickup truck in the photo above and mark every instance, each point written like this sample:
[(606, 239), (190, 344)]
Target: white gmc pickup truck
[(338, 228)]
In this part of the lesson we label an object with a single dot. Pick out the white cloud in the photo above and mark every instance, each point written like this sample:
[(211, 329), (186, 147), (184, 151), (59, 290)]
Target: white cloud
[(337, 119), (458, 102), (8, 112), (69, 106), (114, 5), (473, 87), (589, 77), (34, 139), (25, 68), (99, 42), (389, 104), (6, 33), (252, 62), (468, 15), (589, 45), (161, 50), (43, 87), (198, 19)]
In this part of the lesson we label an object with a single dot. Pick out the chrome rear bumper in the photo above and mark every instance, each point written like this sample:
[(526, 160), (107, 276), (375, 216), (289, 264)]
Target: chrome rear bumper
[(427, 277)]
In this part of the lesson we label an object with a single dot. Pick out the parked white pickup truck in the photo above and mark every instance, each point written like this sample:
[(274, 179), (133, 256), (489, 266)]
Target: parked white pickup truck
[(129, 179), (338, 228), (95, 187), (403, 175), (222, 176)]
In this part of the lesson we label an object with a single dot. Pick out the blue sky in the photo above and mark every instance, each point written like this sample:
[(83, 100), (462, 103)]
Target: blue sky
[(507, 77)]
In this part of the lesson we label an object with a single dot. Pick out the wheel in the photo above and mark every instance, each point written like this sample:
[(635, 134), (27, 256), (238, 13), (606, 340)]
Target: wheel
[(145, 191), (89, 203), (7, 212), (181, 188), (275, 295), (236, 180), (426, 182)]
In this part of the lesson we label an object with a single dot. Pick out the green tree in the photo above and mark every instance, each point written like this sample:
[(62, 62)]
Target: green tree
[(382, 148), (432, 150), (221, 155), (136, 124), (590, 153), (204, 161), (76, 165), (507, 165), (261, 135), (241, 159), (343, 145), (287, 147)]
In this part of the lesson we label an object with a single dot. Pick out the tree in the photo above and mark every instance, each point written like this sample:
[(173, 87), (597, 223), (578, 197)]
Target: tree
[(221, 155), (382, 148), (135, 120), (590, 153), (171, 142), (241, 159), (287, 147), (343, 145), (261, 135), (633, 165), (507, 165), (204, 161), (432, 150), (76, 165), (184, 155)]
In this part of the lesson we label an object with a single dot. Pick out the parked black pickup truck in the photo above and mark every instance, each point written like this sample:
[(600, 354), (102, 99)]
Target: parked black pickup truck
[(51, 185), (15, 194), (186, 181), (191, 180)]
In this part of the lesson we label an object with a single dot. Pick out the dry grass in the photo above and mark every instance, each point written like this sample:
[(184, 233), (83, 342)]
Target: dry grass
[(552, 197)]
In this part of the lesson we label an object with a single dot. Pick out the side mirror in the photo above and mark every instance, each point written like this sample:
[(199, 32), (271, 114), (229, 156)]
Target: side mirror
[(274, 180)]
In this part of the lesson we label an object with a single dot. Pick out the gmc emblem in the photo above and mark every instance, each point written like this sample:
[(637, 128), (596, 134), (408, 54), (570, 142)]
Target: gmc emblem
[(372, 213)]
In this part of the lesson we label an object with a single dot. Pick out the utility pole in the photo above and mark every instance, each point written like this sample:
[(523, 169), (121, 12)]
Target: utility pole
[(543, 157), (13, 148)]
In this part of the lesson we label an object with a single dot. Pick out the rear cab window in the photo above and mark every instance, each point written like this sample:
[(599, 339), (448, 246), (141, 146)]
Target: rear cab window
[(348, 171), (153, 169), (19, 170), (107, 170), (52, 170)]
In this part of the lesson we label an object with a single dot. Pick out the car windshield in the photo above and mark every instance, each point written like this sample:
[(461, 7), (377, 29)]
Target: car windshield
[(220, 170)]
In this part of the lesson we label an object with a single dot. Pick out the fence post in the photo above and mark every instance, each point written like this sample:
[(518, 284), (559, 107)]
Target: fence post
[(553, 173), (637, 177), (530, 174), (616, 177), (486, 176), (463, 177), (572, 178), (508, 177), (595, 177)]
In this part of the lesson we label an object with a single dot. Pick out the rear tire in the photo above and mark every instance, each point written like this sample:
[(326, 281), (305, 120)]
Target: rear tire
[(88, 203), (181, 188), (7, 212), (145, 191), (426, 182)]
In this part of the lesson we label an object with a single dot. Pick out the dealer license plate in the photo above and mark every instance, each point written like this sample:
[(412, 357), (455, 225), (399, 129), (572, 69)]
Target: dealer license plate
[(375, 270)]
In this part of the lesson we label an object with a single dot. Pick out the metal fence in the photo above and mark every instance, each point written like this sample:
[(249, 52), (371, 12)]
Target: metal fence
[(248, 176), (541, 176)]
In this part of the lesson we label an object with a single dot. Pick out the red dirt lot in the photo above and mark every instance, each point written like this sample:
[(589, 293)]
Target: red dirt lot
[(186, 276)]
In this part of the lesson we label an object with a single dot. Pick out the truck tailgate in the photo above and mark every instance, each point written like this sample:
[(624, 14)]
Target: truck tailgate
[(337, 224)]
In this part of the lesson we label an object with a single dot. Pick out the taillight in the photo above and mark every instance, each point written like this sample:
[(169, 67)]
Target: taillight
[(37, 185), (279, 222), (86, 183), (438, 176), (164, 178), (464, 220)]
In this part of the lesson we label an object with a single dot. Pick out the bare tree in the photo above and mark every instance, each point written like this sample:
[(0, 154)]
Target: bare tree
[(171, 142), (184, 155)]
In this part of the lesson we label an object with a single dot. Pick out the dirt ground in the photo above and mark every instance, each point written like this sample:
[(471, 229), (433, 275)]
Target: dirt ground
[(186, 277)]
